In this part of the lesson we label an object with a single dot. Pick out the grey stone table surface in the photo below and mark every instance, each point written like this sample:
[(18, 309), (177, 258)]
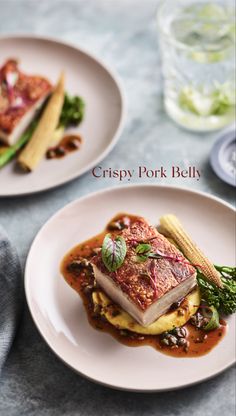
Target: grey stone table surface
[(123, 33)]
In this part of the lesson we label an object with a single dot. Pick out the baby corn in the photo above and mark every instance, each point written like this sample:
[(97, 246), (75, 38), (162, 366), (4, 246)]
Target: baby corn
[(173, 227), (42, 136)]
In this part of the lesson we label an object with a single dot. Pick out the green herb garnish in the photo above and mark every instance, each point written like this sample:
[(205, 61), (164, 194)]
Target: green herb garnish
[(214, 321), (143, 251), (72, 111), (113, 252)]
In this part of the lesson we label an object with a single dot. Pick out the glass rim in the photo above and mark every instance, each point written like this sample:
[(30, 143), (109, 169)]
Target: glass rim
[(172, 39)]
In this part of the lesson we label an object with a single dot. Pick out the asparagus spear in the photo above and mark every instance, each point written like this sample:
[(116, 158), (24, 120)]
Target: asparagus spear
[(11, 151)]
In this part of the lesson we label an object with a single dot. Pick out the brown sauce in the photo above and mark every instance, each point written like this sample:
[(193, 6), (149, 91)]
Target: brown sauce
[(200, 342), (68, 144), (3, 147)]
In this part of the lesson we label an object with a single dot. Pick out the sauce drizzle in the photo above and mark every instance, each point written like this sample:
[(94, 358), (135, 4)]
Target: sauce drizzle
[(68, 144), (199, 341)]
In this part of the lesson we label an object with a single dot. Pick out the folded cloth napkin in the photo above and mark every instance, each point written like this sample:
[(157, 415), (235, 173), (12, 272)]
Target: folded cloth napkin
[(11, 295)]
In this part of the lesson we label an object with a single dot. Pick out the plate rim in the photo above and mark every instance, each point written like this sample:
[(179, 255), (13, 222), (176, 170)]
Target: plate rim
[(123, 109), (27, 292)]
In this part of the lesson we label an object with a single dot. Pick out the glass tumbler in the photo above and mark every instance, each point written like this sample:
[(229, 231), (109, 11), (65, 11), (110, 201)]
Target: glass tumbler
[(197, 45)]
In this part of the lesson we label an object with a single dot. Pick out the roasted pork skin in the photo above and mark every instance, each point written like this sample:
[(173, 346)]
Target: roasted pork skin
[(146, 290), (21, 96)]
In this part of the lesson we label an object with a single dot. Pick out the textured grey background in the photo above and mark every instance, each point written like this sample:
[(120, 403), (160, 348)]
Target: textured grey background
[(123, 33)]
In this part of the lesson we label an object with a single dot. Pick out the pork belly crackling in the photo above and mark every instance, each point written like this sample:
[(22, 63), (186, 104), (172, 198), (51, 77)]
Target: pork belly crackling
[(21, 96), (147, 289)]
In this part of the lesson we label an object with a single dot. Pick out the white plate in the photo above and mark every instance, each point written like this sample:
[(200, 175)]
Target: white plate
[(85, 76), (58, 311)]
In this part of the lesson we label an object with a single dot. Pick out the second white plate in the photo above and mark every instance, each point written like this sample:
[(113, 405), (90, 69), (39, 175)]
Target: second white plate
[(58, 311), (85, 76)]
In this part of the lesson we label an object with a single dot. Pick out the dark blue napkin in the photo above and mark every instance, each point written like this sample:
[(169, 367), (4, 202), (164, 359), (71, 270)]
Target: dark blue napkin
[(11, 295)]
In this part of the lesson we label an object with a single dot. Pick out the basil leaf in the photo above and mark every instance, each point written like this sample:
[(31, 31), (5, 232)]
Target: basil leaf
[(143, 250), (214, 321), (113, 252)]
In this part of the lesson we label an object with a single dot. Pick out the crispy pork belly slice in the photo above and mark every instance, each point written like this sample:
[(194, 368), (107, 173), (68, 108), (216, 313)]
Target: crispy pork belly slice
[(20, 97), (146, 290), (11, 138)]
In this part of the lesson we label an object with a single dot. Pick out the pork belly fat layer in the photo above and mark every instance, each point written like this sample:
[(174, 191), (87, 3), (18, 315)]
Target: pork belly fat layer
[(146, 290), (21, 126), (154, 311)]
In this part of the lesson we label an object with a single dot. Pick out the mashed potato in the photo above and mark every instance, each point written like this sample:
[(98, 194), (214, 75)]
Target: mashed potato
[(122, 320)]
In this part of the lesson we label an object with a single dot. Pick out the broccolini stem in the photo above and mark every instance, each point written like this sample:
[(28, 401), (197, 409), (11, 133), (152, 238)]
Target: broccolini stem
[(226, 271)]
